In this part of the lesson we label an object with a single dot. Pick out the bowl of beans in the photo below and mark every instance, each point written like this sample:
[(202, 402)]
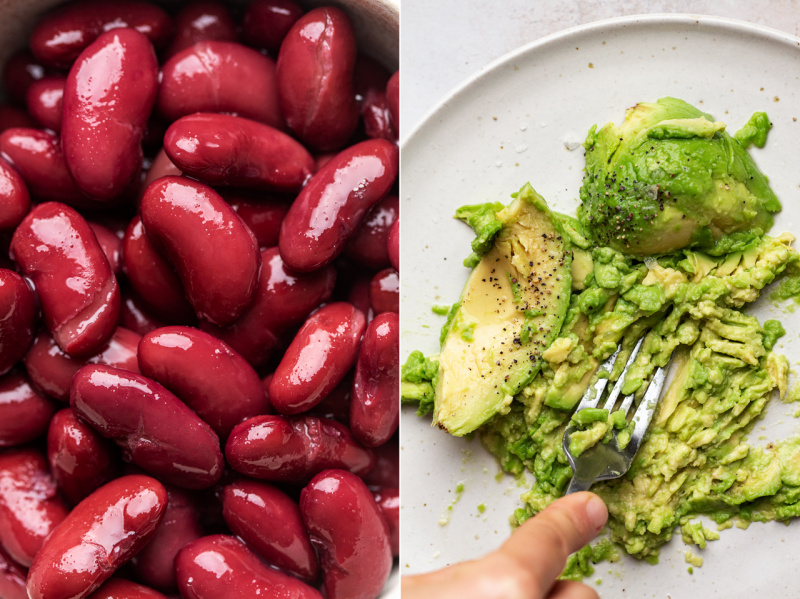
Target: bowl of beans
[(199, 297)]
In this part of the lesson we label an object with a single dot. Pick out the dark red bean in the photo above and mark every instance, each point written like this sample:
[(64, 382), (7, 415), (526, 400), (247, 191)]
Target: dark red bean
[(370, 80), (29, 505), (108, 97), (393, 99), (334, 203), (45, 99), (221, 149), (136, 316), (370, 243), (208, 76), (12, 578), (51, 370), (154, 565), (99, 535), (117, 588), (80, 459), (263, 215), (213, 251), (11, 117), (154, 429), (283, 300), (19, 72), (315, 79), (200, 21), (162, 167), (60, 37), (389, 502), (294, 449), (336, 405), (269, 521), (393, 244), (358, 294), (110, 244), (375, 404), (77, 291), (205, 373), (386, 472), (356, 559), (222, 566), (384, 291), (24, 413), (319, 357), (266, 22), (17, 318), (15, 202)]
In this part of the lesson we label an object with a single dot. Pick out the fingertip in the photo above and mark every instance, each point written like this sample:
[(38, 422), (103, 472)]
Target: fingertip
[(596, 511)]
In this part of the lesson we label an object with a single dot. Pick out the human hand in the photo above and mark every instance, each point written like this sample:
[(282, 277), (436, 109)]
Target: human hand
[(527, 564)]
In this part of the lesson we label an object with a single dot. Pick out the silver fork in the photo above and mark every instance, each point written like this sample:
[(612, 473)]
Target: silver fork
[(605, 461)]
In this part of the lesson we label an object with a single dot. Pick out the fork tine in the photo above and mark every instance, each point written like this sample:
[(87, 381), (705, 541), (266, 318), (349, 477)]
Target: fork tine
[(591, 397), (642, 416), (627, 402), (612, 397)]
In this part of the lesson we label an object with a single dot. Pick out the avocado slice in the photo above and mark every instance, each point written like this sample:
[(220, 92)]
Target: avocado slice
[(511, 309)]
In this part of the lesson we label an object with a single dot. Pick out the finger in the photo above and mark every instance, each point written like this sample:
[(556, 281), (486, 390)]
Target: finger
[(543, 543), (569, 589)]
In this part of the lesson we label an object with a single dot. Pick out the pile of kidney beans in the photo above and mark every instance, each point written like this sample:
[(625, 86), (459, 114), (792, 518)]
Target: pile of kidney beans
[(198, 306)]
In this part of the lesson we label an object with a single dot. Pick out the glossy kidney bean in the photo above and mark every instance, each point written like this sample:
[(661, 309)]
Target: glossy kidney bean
[(333, 204), (358, 294), (11, 117), (29, 505), (80, 459), (293, 449), (110, 244), (108, 97), (154, 565), (318, 358), (370, 80), (393, 100), (51, 370), (17, 318), (44, 101), (283, 300), (20, 71), (56, 248), (222, 566), (213, 251), (389, 502), (208, 76), (154, 429), (263, 215), (386, 472), (375, 404), (135, 315), (384, 291), (15, 202), (200, 21), (205, 373), (369, 245), (221, 149), (12, 578), (117, 588), (162, 167), (266, 22), (336, 404), (350, 534), (99, 535), (60, 37), (393, 244), (24, 413), (269, 521), (315, 79), (152, 277)]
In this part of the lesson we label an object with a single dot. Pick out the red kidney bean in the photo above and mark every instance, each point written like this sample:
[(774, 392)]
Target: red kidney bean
[(24, 413), (283, 300), (205, 373), (17, 318), (134, 315), (336, 405), (200, 21), (393, 100), (266, 22), (393, 244), (117, 588), (315, 79), (318, 358), (368, 74), (222, 566), (29, 505), (386, 472), (60, 37), (15, 202), (80, 459), (44, 100), (332, 205), (384, 291), (369, 244), (350, 534), (370, 80), (152, 277), (221, 149), (11, 116), (99, 535), (19, 72), (55, 247), (12, 578), (214, 252), (375, 404), (154, 429), (294, 449), (208, 76), (108, 97), (268, 520), (162, 167), (110, 244), (263, 215), (358, 294), (154, 565), (51, 370), (389, 502)]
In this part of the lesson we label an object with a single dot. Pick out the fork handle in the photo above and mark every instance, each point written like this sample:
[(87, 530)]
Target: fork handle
[(576, 485)]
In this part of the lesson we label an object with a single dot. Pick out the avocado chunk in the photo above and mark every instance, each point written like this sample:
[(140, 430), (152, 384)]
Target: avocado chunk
[(511, 308)]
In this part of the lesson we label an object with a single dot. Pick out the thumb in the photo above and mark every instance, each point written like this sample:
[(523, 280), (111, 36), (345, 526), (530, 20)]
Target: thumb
[(543, 543)]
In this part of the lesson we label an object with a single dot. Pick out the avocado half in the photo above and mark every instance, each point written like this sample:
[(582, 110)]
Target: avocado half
[(511, 309)]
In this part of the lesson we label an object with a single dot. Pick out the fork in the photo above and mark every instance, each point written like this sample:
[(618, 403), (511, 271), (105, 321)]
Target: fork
[(605, 461)]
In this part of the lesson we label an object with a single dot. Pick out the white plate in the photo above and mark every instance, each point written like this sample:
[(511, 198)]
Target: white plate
[(521, 119)]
